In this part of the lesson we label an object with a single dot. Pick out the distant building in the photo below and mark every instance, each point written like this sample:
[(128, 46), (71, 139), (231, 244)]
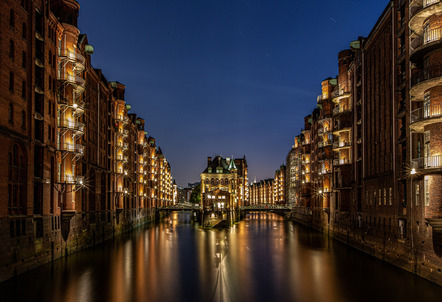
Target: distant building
[(222, 187)]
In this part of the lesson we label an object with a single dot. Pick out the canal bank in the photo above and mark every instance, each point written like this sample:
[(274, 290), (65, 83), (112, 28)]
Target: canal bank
[(71, 235), (379, 241)]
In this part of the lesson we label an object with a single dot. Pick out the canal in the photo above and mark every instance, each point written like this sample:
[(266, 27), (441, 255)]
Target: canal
[(263, 258)]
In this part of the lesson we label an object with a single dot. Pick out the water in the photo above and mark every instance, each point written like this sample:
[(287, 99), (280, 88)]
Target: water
[(263, 258)]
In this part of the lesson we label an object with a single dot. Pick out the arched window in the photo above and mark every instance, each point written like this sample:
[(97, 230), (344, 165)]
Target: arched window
[(212, 181)]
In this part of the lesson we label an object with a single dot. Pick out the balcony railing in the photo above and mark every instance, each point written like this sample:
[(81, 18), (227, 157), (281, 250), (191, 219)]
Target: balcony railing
[(429, 2), (72, 125), (429, 162), (342, 161), (72, 79), (324, 143), (73, 56), (430, 36), (71, 147), (426, 74), (424, 113), (341, 144), (71, 179), (340, 109)]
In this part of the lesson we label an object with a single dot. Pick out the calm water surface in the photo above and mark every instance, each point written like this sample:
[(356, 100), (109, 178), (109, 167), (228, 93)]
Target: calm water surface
[(263, 258)]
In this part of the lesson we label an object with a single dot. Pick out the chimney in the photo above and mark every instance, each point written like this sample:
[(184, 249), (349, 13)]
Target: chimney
[(209, 160)]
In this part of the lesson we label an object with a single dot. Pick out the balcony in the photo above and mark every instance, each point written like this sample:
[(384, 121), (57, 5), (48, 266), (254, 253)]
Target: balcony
[(422, 45), (73, 80), (425, 116), (341, 109), (71, 179), (324, 143), (427, 163), (71, 147), (420, 10), (72, 56), (341, 145), (323, 171), (71, 125), (338, 95), (424, 79), (342, 161)]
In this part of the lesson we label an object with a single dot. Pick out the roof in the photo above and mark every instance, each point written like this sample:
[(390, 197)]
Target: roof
[(217, 164)]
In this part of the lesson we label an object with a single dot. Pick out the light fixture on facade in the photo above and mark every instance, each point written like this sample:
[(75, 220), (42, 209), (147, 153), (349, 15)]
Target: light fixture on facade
[(413, 171)]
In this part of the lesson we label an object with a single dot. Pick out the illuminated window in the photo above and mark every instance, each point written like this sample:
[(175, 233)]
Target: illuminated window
[(427, 191)]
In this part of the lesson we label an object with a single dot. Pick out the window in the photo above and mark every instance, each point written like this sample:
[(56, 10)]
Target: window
[(16, 181), (24, 60), (23, 90), (385, 196), (427, 191), (50, 58), (402, 229), (24, 31), (380, 196), (23, 119), (11, 81), (11, 114), (416, 194), (12, 18), (11, 49), (391, 195)]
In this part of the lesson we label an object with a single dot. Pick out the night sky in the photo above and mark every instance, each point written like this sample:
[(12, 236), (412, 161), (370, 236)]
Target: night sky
[(229, 77)]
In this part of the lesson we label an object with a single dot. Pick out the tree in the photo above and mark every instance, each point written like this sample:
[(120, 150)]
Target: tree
[(195, 196)]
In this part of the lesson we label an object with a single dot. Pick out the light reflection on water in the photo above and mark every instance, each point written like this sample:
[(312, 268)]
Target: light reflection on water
[(263, 258)]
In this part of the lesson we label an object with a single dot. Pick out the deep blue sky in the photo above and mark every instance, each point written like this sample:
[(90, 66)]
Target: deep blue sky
[(229, 77)]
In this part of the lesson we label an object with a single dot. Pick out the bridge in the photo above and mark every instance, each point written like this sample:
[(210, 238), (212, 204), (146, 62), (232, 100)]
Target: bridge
[(275, 208), (180, 207)]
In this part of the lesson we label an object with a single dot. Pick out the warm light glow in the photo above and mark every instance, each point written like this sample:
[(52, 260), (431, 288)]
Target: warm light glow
[(413, 171)]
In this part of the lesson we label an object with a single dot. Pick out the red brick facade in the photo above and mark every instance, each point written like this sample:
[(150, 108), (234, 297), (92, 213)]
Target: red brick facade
[(380, 187), (67, 178)]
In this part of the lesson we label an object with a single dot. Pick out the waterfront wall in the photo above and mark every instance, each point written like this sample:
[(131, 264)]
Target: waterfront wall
[(411, 254), (81, 232)]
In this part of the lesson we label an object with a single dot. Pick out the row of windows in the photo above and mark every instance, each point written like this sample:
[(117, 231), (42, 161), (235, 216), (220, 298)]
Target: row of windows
[(381, 196)]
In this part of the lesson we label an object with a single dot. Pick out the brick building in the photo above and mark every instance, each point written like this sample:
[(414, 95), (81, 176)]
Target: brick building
[(78, 167), (223, 188), (379, 187)]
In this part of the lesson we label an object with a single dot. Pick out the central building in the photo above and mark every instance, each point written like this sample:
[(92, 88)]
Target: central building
[(223, 189)]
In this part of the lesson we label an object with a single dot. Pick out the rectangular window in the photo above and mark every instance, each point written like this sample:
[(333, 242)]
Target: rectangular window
[(391, 195), (416, 194), (402, 229), (385, 196), (427, 191), (380, 196)]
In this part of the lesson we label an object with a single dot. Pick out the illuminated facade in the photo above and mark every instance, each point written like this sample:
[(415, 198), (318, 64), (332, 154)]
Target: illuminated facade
[(379, 188), (222, 188), (78, 167)]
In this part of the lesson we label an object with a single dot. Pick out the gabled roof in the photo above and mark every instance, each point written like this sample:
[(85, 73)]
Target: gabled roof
[(217, 162)]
